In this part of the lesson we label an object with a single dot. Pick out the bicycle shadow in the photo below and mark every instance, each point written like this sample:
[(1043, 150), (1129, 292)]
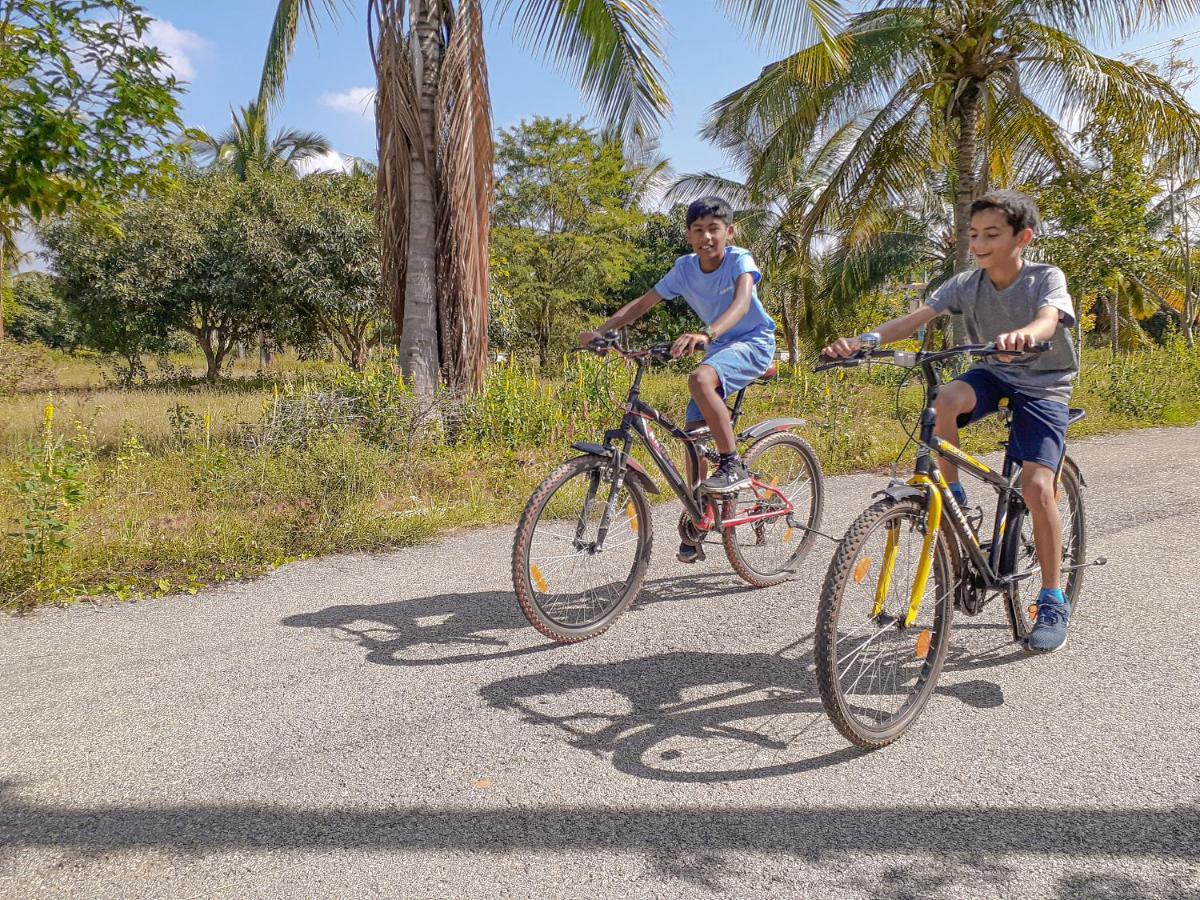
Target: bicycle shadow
[(703, 717), (684, 716), (462, 628)]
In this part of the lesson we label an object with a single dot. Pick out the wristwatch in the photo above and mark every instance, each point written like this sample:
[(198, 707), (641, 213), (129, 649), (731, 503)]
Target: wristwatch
[(710, 334), (870, 340)]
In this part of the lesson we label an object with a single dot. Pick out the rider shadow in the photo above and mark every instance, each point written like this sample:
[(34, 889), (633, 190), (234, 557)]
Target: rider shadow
[(702, 717), (427, 631), (684, 716), (447, 629)]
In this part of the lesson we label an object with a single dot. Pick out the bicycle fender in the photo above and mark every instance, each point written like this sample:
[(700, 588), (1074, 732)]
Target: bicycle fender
[(634, 467), (770, 426), (1070, 463), (898, 491)]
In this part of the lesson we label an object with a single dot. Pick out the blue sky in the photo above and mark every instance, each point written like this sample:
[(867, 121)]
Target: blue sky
[(217, 46)]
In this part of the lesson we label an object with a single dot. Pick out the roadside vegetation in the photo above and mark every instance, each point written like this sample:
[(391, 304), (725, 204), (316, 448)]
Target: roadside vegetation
[(169, 486)]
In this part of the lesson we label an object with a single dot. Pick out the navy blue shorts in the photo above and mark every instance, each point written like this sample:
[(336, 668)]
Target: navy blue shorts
[(1039, 427)]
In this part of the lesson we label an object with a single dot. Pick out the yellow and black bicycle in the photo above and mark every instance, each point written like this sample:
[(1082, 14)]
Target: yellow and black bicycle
[(914, 557)]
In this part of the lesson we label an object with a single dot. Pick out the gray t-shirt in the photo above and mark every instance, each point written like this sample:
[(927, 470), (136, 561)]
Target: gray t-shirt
[(988, 313)]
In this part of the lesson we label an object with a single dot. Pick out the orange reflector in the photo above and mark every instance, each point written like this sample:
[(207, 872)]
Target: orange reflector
[(1058, 495), (536, 573), (632, 513), (861, 570), (775, 481), (787, 535), (923, 641), (1032, 611)]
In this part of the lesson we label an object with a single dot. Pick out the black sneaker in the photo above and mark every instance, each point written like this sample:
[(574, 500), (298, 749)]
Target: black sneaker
[(690, 553), (731, 475)]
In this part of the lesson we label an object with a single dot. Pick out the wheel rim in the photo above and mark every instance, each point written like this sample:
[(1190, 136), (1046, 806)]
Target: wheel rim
[(573, 583), (881, 668), (771, 545)]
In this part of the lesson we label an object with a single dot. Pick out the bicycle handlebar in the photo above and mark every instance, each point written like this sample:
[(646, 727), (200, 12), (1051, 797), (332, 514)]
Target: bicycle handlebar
[(911, 358), (660, 352)]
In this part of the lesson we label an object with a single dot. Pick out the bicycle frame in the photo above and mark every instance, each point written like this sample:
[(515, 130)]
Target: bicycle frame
[(637, 420), (941, 504)]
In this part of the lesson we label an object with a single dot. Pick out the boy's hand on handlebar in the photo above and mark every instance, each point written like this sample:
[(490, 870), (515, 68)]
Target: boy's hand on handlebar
[(688, 343), (1017, 342), (842, 348)]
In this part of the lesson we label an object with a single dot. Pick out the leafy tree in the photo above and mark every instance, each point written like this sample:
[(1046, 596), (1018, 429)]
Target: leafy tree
[(182, 263), (660, 242), (433, 117), (969, 85), (563, 227), (38, 312), (86, 109), (320, 247), (1101, 234)]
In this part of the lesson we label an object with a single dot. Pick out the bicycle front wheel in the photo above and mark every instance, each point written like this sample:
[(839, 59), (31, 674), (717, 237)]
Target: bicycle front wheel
[(571, 581), (768, 551), (875, 670)]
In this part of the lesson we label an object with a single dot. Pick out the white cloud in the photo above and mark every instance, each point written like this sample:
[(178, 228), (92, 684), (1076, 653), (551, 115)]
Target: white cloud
[(180, 47), (329, 161), (357, 101)]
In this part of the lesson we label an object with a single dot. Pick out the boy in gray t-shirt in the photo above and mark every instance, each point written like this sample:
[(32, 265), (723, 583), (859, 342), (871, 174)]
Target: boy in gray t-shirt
[(1017, 304)]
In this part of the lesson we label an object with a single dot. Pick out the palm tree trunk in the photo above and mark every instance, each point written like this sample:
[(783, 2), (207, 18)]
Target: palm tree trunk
[(789, 330), (1114, 323), (419, 360), (967, 116), (3, 288)]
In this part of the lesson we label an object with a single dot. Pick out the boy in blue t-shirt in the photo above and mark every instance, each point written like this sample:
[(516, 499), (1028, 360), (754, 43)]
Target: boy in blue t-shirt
[(717, 281)]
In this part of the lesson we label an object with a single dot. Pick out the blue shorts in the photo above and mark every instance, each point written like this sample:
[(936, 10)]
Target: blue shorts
[(737, 363), (1039, 427)]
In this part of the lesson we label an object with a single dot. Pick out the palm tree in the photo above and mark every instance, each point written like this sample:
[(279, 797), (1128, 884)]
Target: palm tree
[(433, 119), (963, 84), (815, 277), (245, 145)]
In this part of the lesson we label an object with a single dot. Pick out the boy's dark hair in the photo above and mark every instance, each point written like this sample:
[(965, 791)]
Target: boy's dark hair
[(1020, 211), (709, 206)]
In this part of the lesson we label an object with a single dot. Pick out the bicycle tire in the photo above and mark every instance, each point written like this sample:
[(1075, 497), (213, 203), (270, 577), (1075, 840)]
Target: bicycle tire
[(1019, 553), (833, 595), (529, 597), (749, 570)]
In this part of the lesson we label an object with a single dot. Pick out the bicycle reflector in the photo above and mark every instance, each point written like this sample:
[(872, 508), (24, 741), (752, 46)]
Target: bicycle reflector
[(861, 570), (923, 641), (536, 574), (632, 513)]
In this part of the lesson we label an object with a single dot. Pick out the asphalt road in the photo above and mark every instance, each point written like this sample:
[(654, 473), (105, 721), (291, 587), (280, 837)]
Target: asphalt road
[(390, 725)]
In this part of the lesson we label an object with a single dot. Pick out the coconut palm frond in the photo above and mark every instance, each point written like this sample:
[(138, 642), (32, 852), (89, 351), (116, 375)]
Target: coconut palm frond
[(611, 48)]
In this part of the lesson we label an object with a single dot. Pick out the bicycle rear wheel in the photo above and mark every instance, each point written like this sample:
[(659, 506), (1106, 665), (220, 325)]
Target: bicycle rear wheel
[(875, 674), (1074, 546), (570, 586), (769, 551)]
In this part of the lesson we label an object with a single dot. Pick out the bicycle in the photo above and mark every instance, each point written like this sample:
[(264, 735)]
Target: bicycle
[(883, 631), (583, 542)]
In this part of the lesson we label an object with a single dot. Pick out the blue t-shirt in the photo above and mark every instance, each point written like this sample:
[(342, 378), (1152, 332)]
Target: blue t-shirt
[(711, 293)]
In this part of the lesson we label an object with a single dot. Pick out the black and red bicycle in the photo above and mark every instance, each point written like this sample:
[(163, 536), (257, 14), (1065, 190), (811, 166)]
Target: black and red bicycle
[(583, 542)]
